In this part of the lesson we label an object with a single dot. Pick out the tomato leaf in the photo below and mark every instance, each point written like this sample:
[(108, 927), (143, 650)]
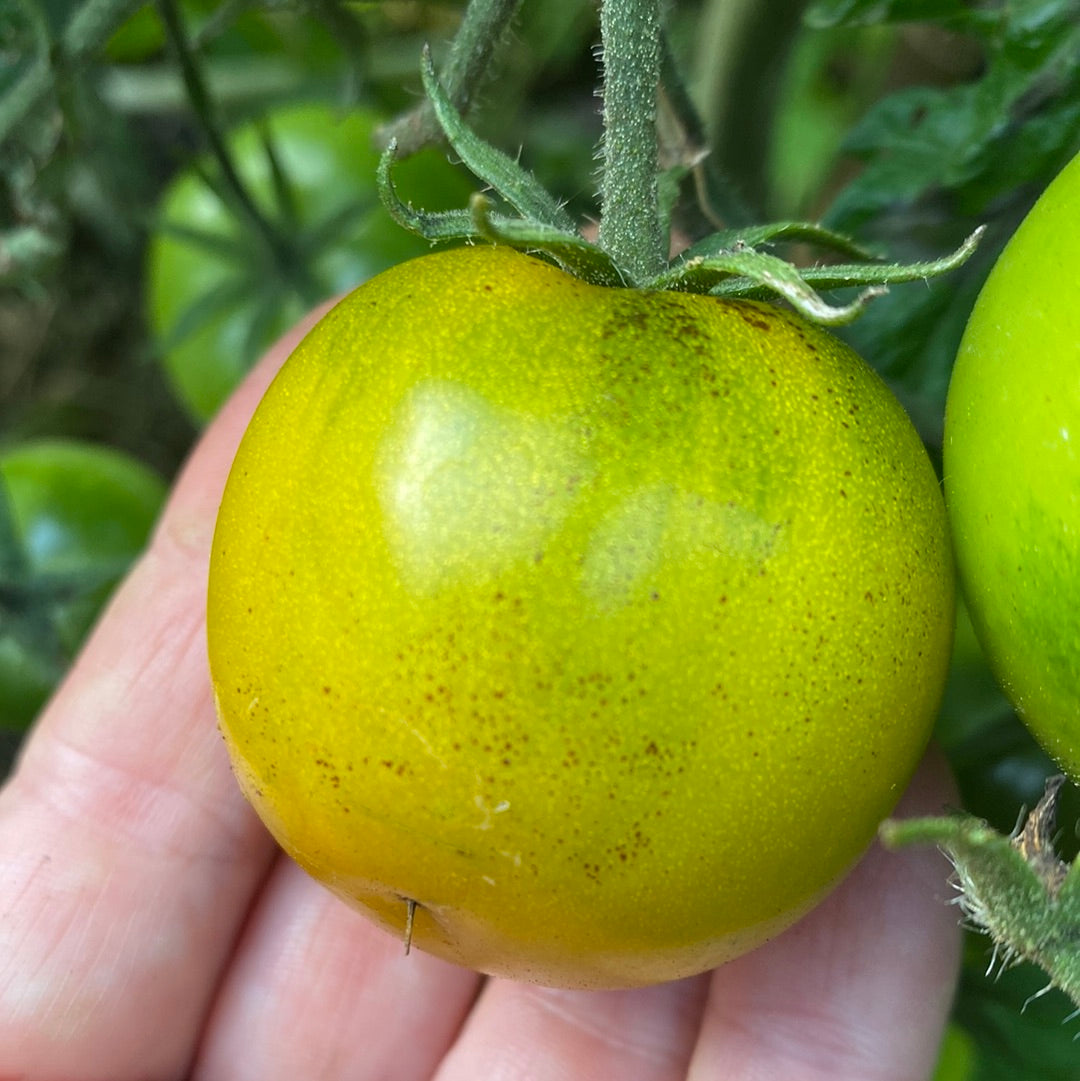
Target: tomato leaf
[(972, 140), (569, 250), (937, 161)]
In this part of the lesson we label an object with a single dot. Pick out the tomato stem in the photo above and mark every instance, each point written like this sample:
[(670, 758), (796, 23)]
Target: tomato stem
[(285, 257), (630, 228), (1015, 888)]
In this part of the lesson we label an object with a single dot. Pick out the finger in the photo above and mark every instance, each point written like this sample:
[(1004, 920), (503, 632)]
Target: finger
[(127, 857), (519, 1032), (858, 991), (316, 990)]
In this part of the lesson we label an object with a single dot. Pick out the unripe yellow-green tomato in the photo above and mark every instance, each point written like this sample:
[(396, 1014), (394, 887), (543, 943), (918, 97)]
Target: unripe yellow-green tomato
[(598, 629)]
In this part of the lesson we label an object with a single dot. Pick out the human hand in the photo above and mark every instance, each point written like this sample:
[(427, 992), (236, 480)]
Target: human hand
[(149, 928)]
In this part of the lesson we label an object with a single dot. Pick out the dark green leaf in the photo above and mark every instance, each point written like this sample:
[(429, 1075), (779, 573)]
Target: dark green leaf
[(972, 143)]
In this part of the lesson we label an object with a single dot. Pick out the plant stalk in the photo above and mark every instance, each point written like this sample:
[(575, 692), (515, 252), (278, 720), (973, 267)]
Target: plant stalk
[(468, 66), (630, 228), (281, 250), (202, 104)]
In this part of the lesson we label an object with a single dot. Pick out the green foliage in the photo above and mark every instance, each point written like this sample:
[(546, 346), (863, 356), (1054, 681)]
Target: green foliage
[(938, 159), (1016, 1029), (826, 13), (979, 141), (72, 517)]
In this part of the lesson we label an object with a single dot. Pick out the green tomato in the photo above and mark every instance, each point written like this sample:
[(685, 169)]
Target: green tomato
[(595, 629), (217, 295), (76, 515), (1012, 469)]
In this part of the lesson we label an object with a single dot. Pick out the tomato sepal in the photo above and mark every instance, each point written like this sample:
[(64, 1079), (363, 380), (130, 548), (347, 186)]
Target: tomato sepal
[(501, 172), (744, 267), (728, 263), (571, 251), (752, 236)]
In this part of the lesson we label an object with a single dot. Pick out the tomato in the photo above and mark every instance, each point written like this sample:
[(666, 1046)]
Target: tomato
[(597, 629), (1012, 466), (79, 514), (216, 294)]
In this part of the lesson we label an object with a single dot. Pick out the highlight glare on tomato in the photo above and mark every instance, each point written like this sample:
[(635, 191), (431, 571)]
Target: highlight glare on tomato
[(604, 627), (1012, 469)]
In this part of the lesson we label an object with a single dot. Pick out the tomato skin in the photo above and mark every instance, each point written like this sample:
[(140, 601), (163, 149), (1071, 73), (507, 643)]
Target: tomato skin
[(216, 307), (81, 513), (1012, 469), (606, 626)]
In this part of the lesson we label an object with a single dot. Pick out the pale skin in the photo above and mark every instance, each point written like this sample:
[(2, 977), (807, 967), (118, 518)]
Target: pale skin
[(150, 930)]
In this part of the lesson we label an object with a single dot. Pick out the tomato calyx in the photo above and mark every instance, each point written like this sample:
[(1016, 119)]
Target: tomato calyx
[(728, 263)]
